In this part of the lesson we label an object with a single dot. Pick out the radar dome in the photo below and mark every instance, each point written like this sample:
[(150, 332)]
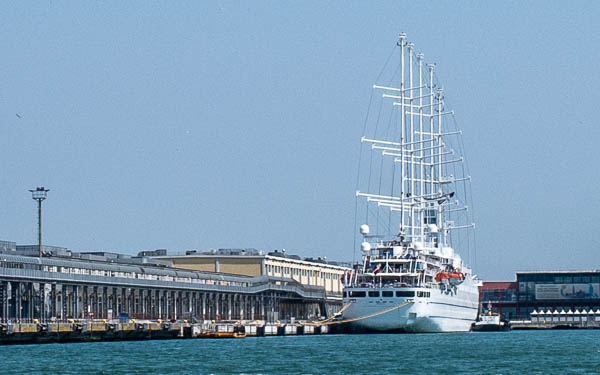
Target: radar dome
[(432, 228), (364, 229), (448, 252), (458, 263), (365, 247)]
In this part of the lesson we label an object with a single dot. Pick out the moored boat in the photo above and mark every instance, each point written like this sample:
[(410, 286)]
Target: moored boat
[(222, 335), (490, 322)]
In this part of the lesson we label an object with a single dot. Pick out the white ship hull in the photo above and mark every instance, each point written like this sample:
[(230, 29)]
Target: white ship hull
[(440, 312)]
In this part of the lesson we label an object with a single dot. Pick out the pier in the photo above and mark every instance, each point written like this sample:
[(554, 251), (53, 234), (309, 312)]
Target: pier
[(530, 325), (53, 289), (91, 297), (94, 330)]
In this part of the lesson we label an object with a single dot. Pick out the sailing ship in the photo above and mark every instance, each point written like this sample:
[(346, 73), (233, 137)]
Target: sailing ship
[(415, 199)]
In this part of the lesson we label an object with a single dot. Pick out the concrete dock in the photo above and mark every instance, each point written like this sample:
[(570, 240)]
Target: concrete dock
[(549, 324), (89, 331)]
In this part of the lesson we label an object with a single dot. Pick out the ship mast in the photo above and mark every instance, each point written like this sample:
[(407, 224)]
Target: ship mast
[(402, 44), (420, 58), (411, 140), (426, 201)]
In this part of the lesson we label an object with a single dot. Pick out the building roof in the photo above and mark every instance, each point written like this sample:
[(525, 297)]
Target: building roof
[(557, 272), (489, 285), (270, 257), (120, 267)]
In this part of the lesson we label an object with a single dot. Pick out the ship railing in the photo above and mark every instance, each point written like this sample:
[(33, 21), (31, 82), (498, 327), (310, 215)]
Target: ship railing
[(396, 284), (388, 285), (392, 260), (394, 274)]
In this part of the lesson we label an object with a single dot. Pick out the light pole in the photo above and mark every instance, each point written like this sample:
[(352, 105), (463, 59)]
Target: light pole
[(39, 194)]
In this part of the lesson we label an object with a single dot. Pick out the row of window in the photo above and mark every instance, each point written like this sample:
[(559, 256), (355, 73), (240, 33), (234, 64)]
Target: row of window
[(499, 295), (272, 269), (286, 270), (385, 293), (559, 279)]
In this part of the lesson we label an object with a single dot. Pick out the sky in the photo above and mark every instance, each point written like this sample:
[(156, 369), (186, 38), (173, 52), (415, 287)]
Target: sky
[(215, 124)]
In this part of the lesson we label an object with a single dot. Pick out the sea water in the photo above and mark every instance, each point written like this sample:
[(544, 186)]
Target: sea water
[(517, 352)]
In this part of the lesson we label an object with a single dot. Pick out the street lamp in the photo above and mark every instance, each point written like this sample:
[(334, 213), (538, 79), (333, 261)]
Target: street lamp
[(39, 194)]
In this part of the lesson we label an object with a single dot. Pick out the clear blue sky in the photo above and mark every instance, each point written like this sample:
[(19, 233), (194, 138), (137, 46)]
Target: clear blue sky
[(236, 124)]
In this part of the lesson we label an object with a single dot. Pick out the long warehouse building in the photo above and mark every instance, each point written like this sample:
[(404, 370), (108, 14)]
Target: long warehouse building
[(62, 285)]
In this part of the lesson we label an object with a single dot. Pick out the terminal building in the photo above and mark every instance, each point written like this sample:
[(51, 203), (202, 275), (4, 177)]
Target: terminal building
[(535, 291), (250, 262), (64, 285), (501, 297)]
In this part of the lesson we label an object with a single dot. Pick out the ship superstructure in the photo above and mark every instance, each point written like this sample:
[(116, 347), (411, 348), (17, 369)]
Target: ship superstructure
[(413, 194)]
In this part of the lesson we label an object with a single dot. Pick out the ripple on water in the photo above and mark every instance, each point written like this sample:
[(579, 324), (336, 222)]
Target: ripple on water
[(518, 352)]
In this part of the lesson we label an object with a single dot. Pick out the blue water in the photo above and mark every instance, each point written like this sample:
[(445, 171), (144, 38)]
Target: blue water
[(517, 352)]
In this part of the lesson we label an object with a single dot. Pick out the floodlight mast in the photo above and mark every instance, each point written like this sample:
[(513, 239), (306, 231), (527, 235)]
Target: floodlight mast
[(39, 195)]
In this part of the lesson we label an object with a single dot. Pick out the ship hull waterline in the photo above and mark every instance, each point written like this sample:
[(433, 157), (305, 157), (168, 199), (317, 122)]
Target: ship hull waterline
[(435, 314)]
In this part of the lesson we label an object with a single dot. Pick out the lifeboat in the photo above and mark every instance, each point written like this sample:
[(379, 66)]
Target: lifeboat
[(454, 278)]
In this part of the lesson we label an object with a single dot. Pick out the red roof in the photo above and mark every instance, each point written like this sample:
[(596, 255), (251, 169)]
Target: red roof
[(499, 285)]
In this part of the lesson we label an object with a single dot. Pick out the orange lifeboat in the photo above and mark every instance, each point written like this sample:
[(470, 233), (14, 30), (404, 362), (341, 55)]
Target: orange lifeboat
[(453, 278)]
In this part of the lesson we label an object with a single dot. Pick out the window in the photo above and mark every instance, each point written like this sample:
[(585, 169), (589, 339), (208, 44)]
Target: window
[(405, 293), (357, 293), (374, 293), (345, 294), (387, 293)]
